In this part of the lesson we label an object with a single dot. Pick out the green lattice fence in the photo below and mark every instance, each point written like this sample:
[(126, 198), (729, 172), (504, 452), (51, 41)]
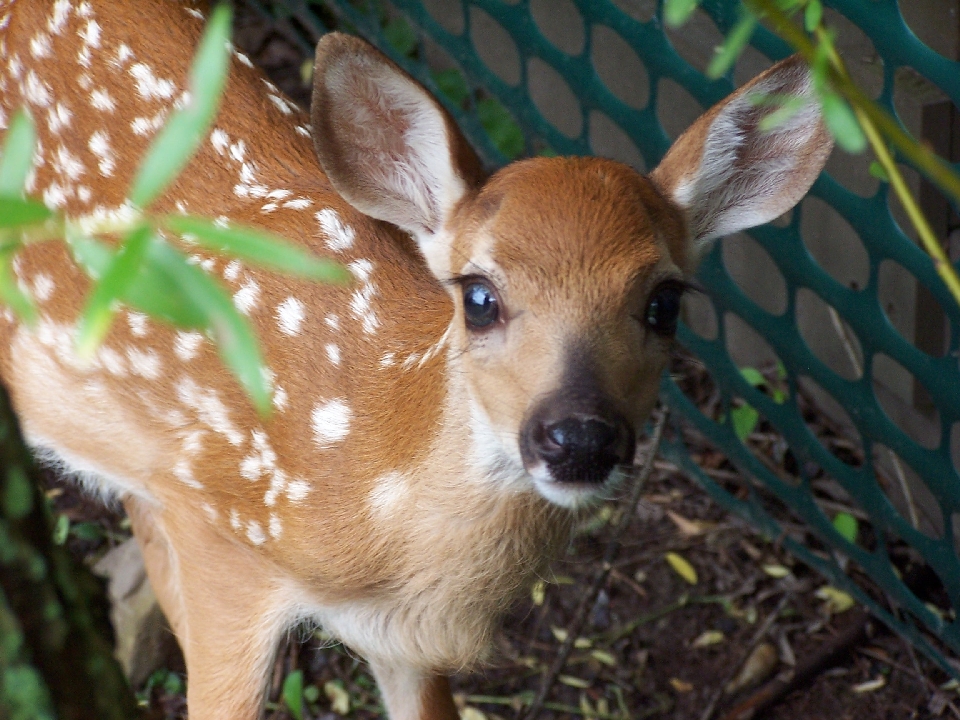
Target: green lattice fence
[(873, 335)]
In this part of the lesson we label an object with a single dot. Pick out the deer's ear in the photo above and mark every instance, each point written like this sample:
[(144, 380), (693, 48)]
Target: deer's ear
[(728, 175), (387, 146)]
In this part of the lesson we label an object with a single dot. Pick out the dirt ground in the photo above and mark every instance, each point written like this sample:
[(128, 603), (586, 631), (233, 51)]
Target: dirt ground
[(660, 640)]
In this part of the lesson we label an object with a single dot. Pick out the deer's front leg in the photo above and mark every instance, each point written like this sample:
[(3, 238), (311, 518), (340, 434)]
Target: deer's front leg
[(224, 604), (412, 694)]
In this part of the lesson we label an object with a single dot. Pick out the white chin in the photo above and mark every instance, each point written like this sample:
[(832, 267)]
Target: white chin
[(574, 495)]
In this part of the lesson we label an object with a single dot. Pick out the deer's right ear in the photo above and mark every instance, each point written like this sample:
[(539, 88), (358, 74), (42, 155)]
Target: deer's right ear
[(387, 146)]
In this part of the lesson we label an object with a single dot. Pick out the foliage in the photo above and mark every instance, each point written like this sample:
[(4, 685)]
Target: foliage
[(852, 117)]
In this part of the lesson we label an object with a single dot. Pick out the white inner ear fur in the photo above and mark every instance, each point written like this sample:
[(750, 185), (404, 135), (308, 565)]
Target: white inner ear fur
[(743, 171), (399, 146)]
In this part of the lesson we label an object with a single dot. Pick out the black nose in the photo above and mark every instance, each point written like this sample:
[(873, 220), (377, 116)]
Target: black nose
[(583, 449)]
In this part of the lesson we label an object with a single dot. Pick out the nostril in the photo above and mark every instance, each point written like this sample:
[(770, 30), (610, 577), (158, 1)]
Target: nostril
[(582, 436)]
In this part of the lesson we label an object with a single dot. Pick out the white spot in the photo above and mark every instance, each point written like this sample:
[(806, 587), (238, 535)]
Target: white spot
[(333, 353), (388, 492), (234, 519), (331, 422), (388, 360), (84, 193), (186, 345), (138, 323), (58, 118), (297, 490), (100, 99), (220, 140), (245, 61), (100, 146), (238, 150), (339, 236), (210, 511), (144, 126), (298, 203), (268, 208), (91, 34), (255, 533), (193, 12), (43, 287), (112, 361), (290, 316), (232, 271), (145, 363), (183, 473), (66, 164), (301, 130), (209, 408), (124, 54), (281, 104), (246, 297), (361, 303), (279, 194), (332, 321), (36, 91), (149, 85), (61, 9), (40, 46), (276, 527), (361, 269), (55, 195), (280, 399)]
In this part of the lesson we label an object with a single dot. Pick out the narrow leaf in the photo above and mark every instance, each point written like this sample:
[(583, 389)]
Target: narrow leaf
[(176, 143), (879, 171), (812, 15), (17, 158), (15, 212), (258, 247), (842, 123), (293, 693), (10, 291), (682, 567), (736, 41), (235, 339), (847, 525), (677, 12), (112, 286), (778, 117)]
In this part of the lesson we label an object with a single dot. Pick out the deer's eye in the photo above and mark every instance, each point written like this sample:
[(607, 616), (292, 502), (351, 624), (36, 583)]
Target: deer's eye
[(480, 304), (663, 309)]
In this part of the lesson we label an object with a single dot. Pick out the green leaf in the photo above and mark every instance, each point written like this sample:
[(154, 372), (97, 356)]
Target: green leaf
[(753, 376), (401, 35), (231, 331), (736, 41), (453, 85), (176, 143), (778, 117), (10, 292), (879, 171), (61, 529), (15, 212), (677, 12), (812, 15), (847, 525), (258, 247), (744, 419), (114, 282), (842, 123), (17, 158), (501, 127), (293, 693)]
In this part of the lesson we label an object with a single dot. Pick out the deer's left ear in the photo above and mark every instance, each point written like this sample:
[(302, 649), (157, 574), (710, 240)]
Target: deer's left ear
[(728, 175)]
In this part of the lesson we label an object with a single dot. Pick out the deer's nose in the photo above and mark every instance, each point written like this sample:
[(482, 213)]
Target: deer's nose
[(583, 449)]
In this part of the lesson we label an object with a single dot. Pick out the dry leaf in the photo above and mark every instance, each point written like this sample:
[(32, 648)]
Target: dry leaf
[(682, 567), (871, 685), (836, 601), (582, 643), (776, 571), (759, 666), (710, 637), (574, 681), (339, 698), (559, 633), (687, 527), (538, 592), (681, 686), (604, 657)]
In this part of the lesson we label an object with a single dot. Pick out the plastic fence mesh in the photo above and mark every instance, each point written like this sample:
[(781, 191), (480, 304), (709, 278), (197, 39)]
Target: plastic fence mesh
[(469, 91)]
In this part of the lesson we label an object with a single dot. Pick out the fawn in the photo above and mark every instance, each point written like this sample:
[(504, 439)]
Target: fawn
[(438, 422)]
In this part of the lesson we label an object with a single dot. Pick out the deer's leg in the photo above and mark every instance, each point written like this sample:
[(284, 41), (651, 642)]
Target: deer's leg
[(412, 694), (225, 606)]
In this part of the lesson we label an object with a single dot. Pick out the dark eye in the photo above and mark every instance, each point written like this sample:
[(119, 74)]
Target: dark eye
[(663, 309), (480, 304)]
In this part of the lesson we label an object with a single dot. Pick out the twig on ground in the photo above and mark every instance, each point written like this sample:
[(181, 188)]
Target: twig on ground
[(590, 596), (747, 650), (771, 692)]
